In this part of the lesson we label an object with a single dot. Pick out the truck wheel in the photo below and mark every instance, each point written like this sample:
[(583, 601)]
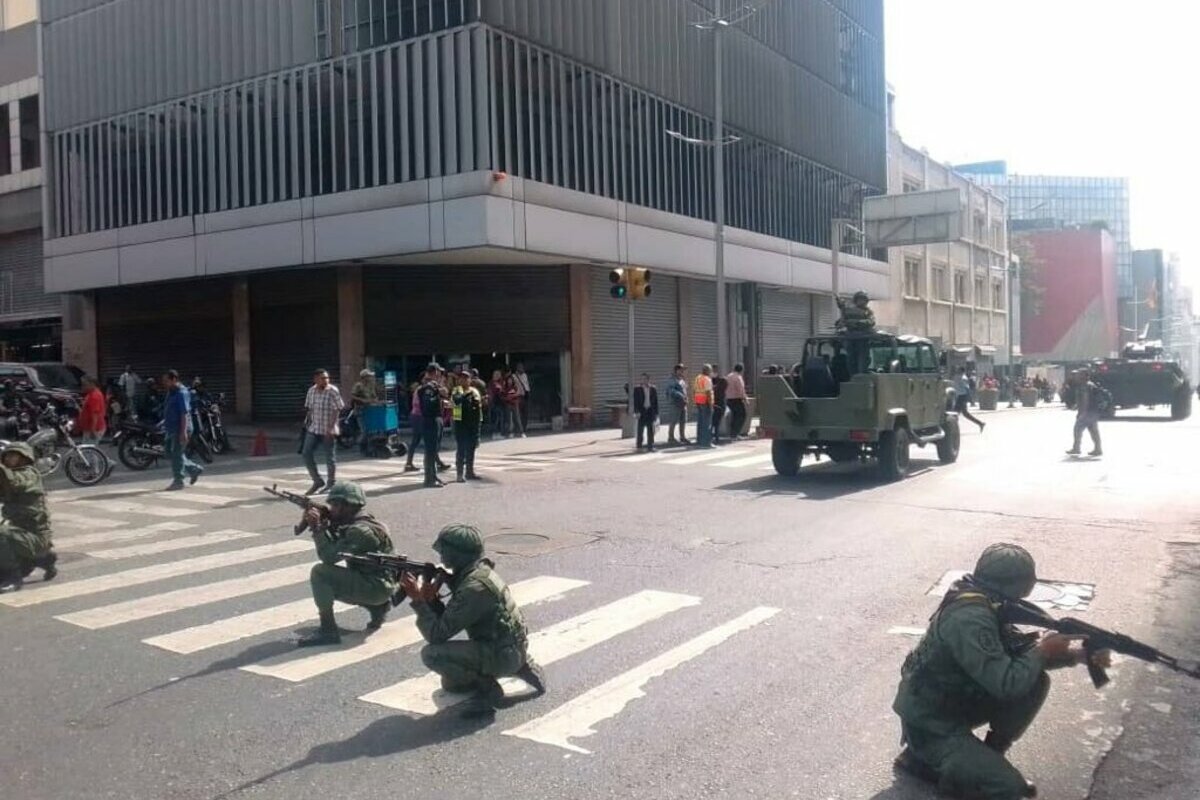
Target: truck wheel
[(893, 455), (947, 448), (1181, 406), (786, 455)]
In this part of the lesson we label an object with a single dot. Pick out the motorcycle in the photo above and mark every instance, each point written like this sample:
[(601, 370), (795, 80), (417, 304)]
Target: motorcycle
[(206, 419), (141, 445), (84, 464)]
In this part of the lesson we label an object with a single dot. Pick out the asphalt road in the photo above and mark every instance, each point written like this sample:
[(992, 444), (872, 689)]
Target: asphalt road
[(709, 629)]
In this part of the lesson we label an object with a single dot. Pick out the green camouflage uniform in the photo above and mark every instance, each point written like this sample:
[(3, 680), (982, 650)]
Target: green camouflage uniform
[(360, 586), (480, 604), (856, 317), (25, 530), (966, 672)]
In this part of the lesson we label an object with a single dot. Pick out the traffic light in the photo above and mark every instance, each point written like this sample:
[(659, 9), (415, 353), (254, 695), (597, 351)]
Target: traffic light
[(619, 278), (639, 283)]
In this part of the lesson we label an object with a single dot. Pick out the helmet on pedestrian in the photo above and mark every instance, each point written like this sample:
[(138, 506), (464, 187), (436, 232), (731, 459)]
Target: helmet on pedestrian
[(22, 449), (1006, 568), (349, 493), (459, 545)]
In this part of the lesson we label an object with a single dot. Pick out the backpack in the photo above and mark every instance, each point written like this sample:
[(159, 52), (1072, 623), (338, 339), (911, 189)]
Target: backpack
[(1102, 399)]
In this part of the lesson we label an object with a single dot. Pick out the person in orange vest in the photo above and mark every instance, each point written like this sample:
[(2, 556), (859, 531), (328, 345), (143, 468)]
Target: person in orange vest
[(702, 394)]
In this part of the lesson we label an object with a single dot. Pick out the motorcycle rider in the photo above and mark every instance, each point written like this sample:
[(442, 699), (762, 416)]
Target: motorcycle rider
[(25, 540)]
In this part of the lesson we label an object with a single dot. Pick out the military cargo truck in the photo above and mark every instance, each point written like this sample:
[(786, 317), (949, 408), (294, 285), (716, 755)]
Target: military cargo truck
[(860, 396)]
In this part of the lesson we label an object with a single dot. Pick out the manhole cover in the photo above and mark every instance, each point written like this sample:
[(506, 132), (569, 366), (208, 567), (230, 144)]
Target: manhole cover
[(533, 544)]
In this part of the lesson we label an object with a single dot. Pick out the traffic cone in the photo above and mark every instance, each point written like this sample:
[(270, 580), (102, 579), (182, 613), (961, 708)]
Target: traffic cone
[(260, 444)]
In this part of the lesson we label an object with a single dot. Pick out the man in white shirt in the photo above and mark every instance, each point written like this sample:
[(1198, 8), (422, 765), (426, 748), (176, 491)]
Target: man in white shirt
[(322, 406)]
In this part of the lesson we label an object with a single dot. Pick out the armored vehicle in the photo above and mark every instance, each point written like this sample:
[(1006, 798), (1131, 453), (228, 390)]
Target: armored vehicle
[(1143, 377), (860, 395)]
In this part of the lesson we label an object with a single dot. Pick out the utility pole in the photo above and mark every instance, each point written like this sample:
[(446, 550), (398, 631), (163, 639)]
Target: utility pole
[(719, 27)]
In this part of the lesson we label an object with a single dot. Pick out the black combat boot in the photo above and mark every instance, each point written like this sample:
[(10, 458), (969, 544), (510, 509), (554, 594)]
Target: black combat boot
[(47, 562), (471, 476), (483, 703), (11, 582), (328, 633), (533, 674), (378, 615), (909, 763)]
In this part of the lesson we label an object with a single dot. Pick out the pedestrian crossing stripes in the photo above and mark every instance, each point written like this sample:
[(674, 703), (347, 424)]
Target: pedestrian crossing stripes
[(107, 537), (134, 577), (243, 626), (128, 507), (575, 718), (82, 521), (170, 545), (146, 607), (423, 695), (395, 635)]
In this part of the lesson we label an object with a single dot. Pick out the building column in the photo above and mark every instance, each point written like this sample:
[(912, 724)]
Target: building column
[(243, 374), (79, 345), (581, 335), (352, 346), (686, 299)]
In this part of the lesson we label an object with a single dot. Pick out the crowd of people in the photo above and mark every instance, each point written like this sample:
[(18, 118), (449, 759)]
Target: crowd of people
[(710, 394)]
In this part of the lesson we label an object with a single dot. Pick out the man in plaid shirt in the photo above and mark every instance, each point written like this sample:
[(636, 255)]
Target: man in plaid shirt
[(322, 406)]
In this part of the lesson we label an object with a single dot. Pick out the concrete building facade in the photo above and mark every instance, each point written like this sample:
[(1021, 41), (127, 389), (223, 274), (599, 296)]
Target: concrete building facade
[(957, 294), (30, 319), (274, 186)]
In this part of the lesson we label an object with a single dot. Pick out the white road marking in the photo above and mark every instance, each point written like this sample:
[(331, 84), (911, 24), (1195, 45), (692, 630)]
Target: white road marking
[(396, 634), (424, 695), (81, 520), (167, 602), (751, 461), (637, 458), (127, 507), (105, 537), (188, 496), (707, 455), (170, 545), (576, 718), (904, 630), (59, 590), (243, 626)]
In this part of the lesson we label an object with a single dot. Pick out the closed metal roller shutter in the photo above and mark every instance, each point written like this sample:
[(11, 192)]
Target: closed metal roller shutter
[(293, 330), (466, 309), (702, 316), (656, 328), (185, 326), (21, 283), (784, 323), (823, 312)]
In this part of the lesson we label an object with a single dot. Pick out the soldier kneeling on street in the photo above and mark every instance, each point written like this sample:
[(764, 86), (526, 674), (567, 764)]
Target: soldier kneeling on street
[(971, 669), (25, 541), (347, 530), (481, 604)]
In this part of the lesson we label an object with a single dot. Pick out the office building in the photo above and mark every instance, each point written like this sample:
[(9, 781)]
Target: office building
[(248, 190), (30, 319)]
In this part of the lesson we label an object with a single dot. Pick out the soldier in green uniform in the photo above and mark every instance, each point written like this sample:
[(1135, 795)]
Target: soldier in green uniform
[(347, 530), (480, 603), (858, 316), (25, 541), (971, 669)]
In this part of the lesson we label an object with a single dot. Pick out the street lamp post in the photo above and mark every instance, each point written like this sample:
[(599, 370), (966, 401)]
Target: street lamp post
[(1014, 266)]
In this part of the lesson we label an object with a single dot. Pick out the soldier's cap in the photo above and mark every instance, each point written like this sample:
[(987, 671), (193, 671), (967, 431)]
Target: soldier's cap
[(434, 367), (20, 448), (366, 373), (348, 492), (1007, 568)]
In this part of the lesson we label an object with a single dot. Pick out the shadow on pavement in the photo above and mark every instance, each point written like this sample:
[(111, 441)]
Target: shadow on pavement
[(906, 788), (384, 737), (823, 481), (250, 655), (1138, 418)]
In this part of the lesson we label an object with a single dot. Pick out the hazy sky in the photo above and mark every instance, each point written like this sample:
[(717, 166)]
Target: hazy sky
[(1069, 87)]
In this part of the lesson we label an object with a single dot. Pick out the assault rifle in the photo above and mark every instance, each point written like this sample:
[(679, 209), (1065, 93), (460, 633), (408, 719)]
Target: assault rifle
[(298, 500), (1022, 612), (398, 565)]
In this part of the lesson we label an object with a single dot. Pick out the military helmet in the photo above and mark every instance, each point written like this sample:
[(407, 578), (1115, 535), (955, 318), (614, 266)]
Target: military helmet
[(861, 295), (459, 544), (20, 448), (1007, 568), (348, 492)]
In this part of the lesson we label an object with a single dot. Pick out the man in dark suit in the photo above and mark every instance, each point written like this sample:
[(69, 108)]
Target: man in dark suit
[(645, 405)]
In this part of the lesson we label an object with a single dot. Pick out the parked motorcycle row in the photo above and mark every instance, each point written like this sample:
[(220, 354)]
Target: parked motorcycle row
[(140, 444), (45, 422)]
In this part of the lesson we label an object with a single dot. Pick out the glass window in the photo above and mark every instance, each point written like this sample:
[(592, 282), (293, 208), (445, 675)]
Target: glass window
[(939, 282), (5, 148), (960, 286), (911, 185), (31, 145), (980, 298), (998, 295), (912, 276)]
